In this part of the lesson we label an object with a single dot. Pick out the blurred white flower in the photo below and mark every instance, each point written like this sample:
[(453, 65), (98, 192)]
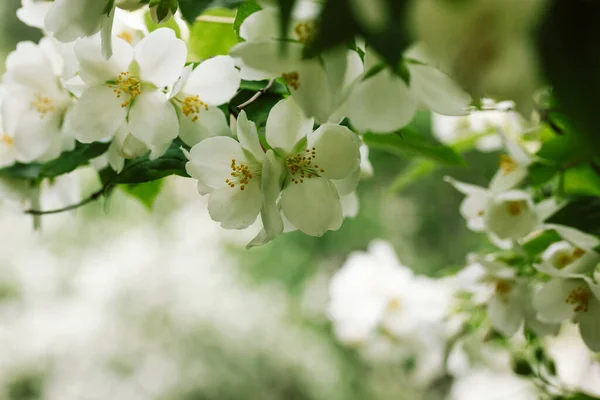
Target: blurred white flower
[(492, 385), (384, 103)]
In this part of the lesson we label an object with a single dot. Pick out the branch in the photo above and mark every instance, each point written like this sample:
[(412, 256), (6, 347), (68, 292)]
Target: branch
[(256, 95), (94, 196)]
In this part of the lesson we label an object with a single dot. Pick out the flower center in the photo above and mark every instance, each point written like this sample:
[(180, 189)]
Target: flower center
[(292, 79), (579, 298), (126, 36), (507, 164), (514, 208), (43, 105), (394, 305), (300, 166), (578, 253), (191, 107), (7, 140), (125, 84), (304, 31), (241, 174)]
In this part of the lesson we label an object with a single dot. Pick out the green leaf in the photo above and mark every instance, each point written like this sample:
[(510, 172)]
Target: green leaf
[(143, 169), (540, 242), (244, 11), (540, 174), (209, 39), (411, 174), (582, 213), (285, 11), (568, 46), (191, 9), (337, 25), (583, 179), (407, 141), (65, 163), (152, 26), (259, 110), (146, 192), (564, 149)]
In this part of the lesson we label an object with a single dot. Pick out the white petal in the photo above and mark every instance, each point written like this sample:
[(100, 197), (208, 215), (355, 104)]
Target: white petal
[(97, 115), (465, 188), (348, 185), (161, 57), (211, 122), (350, 205), (266, 56), (29, 66), (272, 176), (248, 136), (263, 24), (312, 206), (382, 103), (153, 119), (215, 81), (33, 12), (550, 300), (437, 90), (286, 125), (35, 135), (313, 93), (235, 208), (576, 237), (94, 68), (511, 215), (503, 181), (210, 160), (115, 158), (589, 325), (337, 151), (69, 19), (505, 314)]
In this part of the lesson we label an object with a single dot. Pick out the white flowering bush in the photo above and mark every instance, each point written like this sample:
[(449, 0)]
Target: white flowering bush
[(271, 109)]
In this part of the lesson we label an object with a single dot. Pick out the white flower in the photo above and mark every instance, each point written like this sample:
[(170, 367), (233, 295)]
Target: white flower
[(373, 290), (511, 215), (129, 88), (320, 86), (573, 292), (197, 95), (35, 105), (33, 12), (231, 172), (315, 169), (510, 305), (493, 385), (384, 103), (69, 20)]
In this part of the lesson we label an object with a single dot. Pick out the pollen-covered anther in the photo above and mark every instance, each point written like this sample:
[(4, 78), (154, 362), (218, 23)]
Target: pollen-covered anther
[(578, 253), (507, 164), (292, 79), (125, 84), (580, 298), (514, 208), (191, 107), (4, 138), (126, 36), (304, 31), (240, 175), (43, 105), (301, 166)]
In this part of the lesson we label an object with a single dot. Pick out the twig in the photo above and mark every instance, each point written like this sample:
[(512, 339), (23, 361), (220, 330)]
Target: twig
[(94, 196), (256, 95)]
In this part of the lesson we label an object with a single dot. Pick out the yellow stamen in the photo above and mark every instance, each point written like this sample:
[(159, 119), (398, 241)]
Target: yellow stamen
[(4, 138), (301, 166), (126, 36), (241, 175), (44, 105), (580, 298), (125, 84), (191, 107), (292, 79), (514, 208), (304, 31), (507, 164)]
